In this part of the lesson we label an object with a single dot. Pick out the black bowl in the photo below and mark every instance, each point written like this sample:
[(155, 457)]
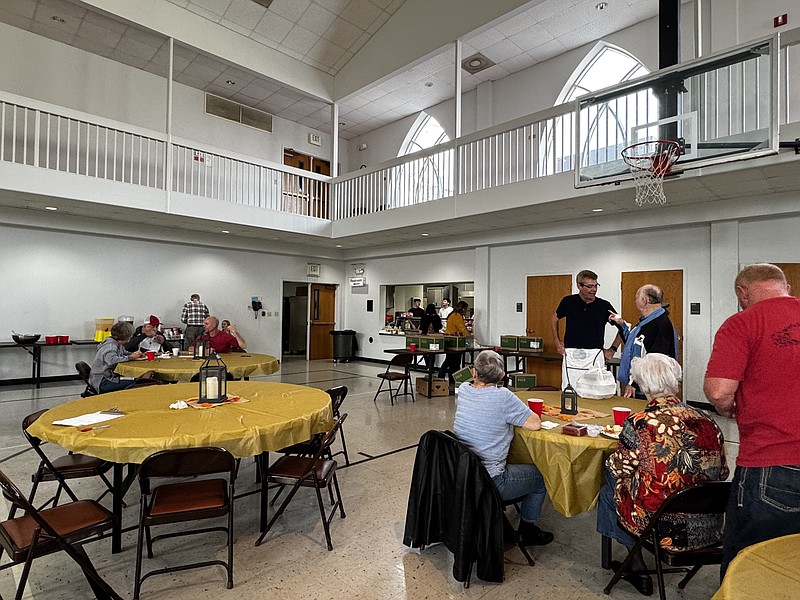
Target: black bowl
[(26, 339)]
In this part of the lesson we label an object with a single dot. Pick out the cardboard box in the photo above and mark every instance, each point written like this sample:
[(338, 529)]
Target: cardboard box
[(412, 339), (509, 342), (455, 341), (431, 342), (522, 381), (440, 387), (463, 375), (534, 344)]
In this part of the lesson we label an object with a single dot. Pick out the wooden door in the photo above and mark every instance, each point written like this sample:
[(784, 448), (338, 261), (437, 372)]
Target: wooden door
[(792, 272), (295, 192), (543, 295), (322, 313), (320, 189), (670, 282)]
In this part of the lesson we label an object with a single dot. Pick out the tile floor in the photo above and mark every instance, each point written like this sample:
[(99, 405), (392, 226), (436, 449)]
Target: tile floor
[(368, 561)]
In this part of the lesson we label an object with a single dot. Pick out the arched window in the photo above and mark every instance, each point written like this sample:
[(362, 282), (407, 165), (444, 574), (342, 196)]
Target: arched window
[(426, 132), (429, 177), (607, 131)]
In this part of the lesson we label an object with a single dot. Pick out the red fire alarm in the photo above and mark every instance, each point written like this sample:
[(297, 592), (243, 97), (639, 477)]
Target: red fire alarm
[(780, 20)]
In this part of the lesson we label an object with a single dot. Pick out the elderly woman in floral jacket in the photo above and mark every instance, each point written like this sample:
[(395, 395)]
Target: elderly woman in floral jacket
[(662, 449)]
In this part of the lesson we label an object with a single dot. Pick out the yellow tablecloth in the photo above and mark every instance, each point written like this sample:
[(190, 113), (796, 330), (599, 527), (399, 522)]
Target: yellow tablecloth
[(764, 571), (572, 467), (182, 368), (277, 415)]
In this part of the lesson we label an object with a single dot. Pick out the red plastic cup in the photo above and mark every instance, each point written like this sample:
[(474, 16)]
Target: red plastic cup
[(620, 414), (536, 404), (412, 347), (151, 355), (63, 339)]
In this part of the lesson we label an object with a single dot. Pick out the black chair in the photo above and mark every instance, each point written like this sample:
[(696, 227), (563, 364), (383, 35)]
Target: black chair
[(453, 501), (68, 466), (402, 377), (709, 498), (84, 370), (185, 501), (61, 528), (314, 472)]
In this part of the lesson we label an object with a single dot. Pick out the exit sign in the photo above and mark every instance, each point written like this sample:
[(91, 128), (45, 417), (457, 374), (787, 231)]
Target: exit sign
[(780, 20), (315, 139)]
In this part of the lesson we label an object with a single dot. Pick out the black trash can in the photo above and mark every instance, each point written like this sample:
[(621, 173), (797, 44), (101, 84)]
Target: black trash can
[(344, 344)]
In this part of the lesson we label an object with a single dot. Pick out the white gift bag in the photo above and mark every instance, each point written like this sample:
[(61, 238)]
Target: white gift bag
[(596, 383), (576, 362)]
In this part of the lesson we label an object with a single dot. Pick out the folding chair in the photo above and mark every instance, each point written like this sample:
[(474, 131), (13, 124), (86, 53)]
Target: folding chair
[(68, 466), (185, 501), (402, 377), (84, 370), (711, 498), (38, 533), (315, 472)]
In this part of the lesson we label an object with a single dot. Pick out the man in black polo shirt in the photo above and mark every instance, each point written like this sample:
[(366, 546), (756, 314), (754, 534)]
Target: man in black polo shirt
[(587, 317)]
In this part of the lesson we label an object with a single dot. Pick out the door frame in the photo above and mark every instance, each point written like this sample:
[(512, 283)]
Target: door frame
[(337, 307)]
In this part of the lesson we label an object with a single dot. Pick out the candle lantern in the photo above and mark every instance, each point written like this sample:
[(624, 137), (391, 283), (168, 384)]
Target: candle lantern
[(213, 380), (200, 348), (569, 401)]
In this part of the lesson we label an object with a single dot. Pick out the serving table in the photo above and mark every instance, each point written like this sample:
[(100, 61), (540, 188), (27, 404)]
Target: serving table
[(35, 351), (764, 571), (572, 467), (183, 368), (275, 415)]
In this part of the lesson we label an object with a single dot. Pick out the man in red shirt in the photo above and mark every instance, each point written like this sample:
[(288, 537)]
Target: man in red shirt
[(221, 341), (751, 377)]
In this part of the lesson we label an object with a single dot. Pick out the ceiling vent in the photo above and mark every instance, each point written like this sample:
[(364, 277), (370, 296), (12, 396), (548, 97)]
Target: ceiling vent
[(476, 63), (238, 113)]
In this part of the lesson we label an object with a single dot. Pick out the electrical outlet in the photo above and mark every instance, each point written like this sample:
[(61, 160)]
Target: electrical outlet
[(277, 314), (269, 313)]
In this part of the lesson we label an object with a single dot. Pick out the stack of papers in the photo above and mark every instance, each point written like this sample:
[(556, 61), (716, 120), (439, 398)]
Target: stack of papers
[(87, 419)]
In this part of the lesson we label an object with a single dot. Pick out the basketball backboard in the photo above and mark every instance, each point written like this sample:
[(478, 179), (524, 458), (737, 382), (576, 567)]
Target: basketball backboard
[(719, 108)]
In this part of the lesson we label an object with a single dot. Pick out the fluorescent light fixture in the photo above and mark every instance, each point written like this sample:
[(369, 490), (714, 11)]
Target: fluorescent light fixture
[(338, 245), (50, 208), (425, 234), (597, 210), (225, 231)]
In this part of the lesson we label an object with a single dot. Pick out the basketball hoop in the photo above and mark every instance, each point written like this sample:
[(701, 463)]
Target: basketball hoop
[(649, 162)]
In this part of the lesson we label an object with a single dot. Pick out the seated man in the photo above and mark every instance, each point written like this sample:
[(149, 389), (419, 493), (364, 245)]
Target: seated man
[(662, 449), (485, 419), (148, 339), (109, 353), (221, 341)]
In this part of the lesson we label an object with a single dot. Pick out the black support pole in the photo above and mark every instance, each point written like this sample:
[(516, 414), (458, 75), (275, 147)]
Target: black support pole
[(669, 43)]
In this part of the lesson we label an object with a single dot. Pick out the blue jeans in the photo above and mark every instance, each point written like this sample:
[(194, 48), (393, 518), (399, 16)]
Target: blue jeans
[(607, 521), (523, 480), (114, 386), (764, 504)]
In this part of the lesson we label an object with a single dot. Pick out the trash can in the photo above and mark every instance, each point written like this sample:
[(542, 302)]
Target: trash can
[(344, 345)]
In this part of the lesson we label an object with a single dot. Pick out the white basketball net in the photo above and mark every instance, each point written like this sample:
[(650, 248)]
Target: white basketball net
[(649, 162)]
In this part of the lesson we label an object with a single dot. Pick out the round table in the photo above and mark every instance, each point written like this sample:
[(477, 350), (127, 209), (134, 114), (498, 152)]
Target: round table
[(183, 368), (764, 571)]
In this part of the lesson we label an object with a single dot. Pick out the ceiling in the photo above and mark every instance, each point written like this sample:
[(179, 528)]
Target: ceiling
[(326, 34)]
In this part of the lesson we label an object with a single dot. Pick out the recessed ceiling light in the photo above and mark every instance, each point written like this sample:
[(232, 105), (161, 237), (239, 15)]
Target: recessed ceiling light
[(57, 19), (428, 84), (342, 124), (601, 6), (475, 63), (225, 231), (50, 208), (425, 235), (597, 210), (230, 82)]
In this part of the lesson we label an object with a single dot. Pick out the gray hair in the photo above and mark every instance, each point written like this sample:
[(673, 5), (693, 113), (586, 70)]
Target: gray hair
[(122, 331), (653, 294), (657, 374), (489, 367)]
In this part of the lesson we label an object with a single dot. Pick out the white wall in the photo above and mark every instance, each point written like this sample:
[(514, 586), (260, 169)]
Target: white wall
[(59, 282)]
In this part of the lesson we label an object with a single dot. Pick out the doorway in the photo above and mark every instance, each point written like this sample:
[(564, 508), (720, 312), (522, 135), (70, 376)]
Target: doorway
[(543, 294), (302, 195), (294, 325)]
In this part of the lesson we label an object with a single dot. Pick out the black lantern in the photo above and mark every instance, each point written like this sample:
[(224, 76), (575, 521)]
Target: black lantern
[(569, 401), (200, 348), (213, 380)]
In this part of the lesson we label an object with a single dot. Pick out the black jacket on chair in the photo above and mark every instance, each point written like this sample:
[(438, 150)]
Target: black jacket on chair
[(454, 501)]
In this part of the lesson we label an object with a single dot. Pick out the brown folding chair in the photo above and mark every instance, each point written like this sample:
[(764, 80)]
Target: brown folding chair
[(38, 533), (68, 466), (84, 370), (403, 378), (315, 472), (185, 501), (711, 498)]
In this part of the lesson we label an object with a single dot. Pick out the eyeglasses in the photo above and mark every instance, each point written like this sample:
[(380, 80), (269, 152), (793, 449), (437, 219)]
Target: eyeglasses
[(594, 286)]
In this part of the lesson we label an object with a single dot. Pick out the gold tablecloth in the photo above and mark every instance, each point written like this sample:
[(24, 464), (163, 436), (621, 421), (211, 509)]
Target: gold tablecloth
[(764, 571), (182, 368), (277, 415), (572, 467)]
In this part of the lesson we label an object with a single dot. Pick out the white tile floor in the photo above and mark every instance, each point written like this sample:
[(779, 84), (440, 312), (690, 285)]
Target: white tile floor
[(368, 561)]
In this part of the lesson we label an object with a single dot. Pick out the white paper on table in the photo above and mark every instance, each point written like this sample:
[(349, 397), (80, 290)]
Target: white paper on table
[(549, 425), (87, 419)]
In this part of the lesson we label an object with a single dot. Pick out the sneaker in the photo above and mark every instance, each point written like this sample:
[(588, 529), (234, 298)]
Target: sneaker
[(531, 535)]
